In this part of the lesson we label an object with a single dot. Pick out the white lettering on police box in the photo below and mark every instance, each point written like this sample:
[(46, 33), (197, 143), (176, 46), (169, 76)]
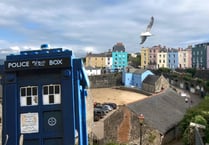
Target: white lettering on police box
[(21, 64), (55, 62)]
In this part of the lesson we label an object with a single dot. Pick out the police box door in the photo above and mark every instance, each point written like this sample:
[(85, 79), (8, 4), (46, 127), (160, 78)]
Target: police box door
[(40, 113)]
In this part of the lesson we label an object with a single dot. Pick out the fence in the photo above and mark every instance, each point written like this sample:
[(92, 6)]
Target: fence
[(198, 138)]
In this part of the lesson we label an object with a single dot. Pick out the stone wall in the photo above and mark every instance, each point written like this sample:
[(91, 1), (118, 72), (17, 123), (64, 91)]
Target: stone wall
[(105, 80), (161, 83), (190, 86), (172, 134), (89, 115), (118, 127), (111, 126), (122, 126)]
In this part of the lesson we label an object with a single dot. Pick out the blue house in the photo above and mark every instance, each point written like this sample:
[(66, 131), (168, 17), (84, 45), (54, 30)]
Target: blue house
[(173, 59), (132, 77)]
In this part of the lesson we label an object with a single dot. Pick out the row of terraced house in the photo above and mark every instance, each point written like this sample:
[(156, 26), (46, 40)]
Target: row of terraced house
[(196, 56)]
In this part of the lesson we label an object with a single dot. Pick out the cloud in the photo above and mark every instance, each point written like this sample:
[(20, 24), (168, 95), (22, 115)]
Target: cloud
[(101, 24), (89, 49)]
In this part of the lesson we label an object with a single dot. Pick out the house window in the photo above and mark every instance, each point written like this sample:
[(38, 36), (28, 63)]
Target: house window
[(51, 94), (29, 96)]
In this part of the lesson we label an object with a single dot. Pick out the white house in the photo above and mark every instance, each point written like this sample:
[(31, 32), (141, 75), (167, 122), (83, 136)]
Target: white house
[(91, 71)]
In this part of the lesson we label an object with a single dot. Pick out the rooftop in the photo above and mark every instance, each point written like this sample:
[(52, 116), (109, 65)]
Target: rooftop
[(151, 79), (162, 111)]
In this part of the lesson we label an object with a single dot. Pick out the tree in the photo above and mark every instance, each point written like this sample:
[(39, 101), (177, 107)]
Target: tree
[(192, 71), (134, 61), (199, 119)]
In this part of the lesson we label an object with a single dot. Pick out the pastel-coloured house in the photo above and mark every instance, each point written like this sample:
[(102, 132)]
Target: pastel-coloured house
[(132, 77)]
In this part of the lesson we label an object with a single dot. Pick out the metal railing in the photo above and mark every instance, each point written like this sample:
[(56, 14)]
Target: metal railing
[(198, 138)]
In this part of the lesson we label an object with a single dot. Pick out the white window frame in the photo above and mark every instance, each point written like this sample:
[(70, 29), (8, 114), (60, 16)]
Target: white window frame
[(28, 96), (52, 95)]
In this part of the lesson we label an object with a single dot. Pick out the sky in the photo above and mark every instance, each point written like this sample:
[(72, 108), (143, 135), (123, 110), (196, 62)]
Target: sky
[(97, 25)]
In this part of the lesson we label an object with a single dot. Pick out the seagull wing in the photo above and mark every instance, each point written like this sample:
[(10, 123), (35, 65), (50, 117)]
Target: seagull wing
[(143, 38), (150, 24)]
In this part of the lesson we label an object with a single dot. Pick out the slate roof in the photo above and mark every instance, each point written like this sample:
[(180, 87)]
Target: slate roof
[(151, 79), (131, 69), (139, 71), (118, 47), (162, 111), (104, 54)]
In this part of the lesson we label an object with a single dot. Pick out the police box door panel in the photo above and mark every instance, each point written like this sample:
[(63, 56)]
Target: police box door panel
[(40, 112)]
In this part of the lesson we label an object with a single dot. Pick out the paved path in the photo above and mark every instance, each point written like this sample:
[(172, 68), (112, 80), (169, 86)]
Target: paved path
[(193, 98), (177, 142)]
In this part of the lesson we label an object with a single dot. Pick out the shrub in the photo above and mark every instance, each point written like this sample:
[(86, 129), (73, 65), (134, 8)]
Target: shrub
[(198, 114)]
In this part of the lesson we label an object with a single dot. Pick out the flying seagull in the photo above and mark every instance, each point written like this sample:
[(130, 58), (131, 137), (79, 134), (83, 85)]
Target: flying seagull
[(146, 34)]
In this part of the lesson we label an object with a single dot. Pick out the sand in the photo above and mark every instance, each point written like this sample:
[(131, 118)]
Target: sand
[(120, 97)]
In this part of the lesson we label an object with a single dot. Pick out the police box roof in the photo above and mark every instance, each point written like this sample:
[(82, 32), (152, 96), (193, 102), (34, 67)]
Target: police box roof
[(43, 53)]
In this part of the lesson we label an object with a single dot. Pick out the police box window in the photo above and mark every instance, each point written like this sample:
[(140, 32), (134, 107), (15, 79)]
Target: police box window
[(28, 96), (51, 94)]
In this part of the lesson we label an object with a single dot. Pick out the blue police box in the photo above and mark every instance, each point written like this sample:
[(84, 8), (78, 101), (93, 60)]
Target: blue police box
[(44, 98)]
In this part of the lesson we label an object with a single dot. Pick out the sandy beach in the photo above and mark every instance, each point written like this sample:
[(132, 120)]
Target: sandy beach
[(117, 96)]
